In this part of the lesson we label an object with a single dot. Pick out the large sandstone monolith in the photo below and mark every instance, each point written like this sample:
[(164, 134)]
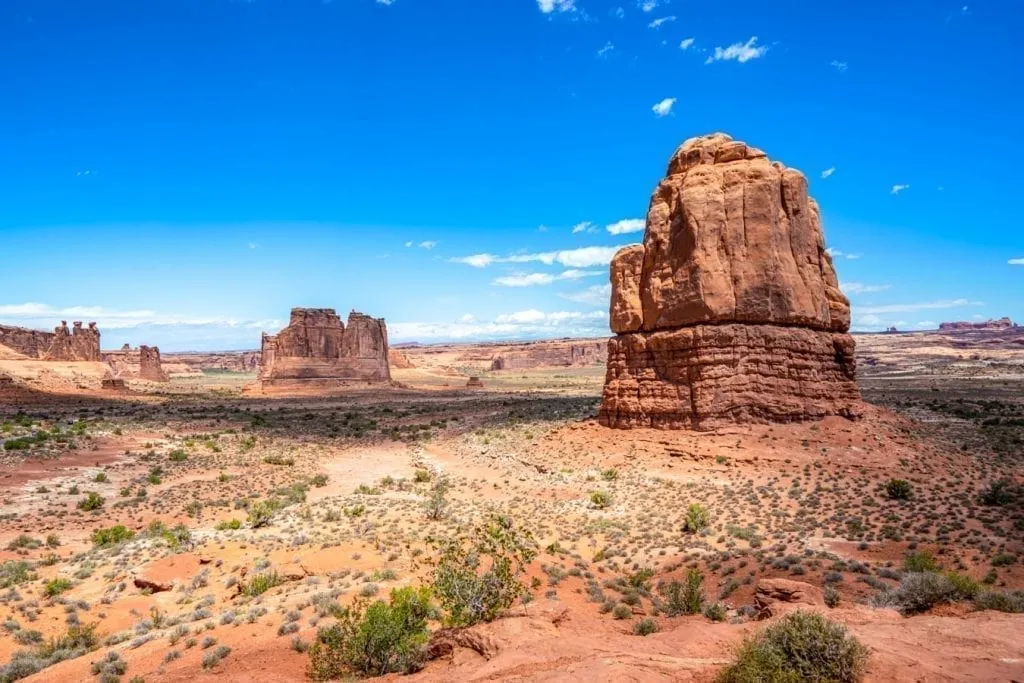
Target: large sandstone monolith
[(77, 344), (317, 347), (149, 364), (730, 310)]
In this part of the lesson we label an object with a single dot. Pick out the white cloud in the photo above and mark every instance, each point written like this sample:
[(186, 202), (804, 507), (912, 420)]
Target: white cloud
[(583, 257), (837, 65), (922, 306), (585, 226), (528, 324), (650, 5), (657, 23), (828, 171), (686, 44), (549, 6), (1016, 262), (835, 253), (428, 244), (896, 189), (531, 279), (476, 260), (860, 288), (626, 225), (253, 245), (869, 320), (741, 52), (597, 295), (608, 47), (664, 108), (467, 318), (618, 12)]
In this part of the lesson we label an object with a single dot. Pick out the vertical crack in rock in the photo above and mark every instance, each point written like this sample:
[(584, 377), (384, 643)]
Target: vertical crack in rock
[(730, 310)]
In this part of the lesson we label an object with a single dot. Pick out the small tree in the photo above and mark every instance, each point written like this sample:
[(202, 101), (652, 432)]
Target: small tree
[(437, 503), (898, 489), (477, 577)]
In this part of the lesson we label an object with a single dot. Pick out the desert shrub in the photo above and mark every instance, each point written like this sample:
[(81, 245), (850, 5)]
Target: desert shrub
[(110, 668), (230, 524), (261, 583), (382, 638), (212, 658), (477, 577), (177, 455), (600, 499), (1000, 492), (802, 646), (92, 501), (100, 478), (55, 587), (1003, 560), (685, 598), (260, 513), (697, 518), (898, 489), (318, 480), (421, 476), (831, 597), (436, 504), (920, 561), (610, 474), (715, 611), (622, 611), (111, 535), (645, 627), (13, 572), (920, 591), (1010, 601)]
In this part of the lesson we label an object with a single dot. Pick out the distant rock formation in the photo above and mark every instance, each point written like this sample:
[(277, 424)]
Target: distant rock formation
[(30, 343), (730, 310), (143, 363), (961, 326), (551, 355), (229, 361), (316, 346), (77, 344), (397, 359), (892, 330), (474, 383)]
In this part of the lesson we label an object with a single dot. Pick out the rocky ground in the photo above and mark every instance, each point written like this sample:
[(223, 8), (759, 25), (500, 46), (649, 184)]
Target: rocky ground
[(214, 581)]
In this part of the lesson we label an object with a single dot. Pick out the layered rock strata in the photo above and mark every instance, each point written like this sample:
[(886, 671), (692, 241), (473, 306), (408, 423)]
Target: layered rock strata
[(730, 310), (317, 347)]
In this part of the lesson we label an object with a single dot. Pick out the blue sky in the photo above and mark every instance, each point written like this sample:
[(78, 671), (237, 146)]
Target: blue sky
[(185, 171)]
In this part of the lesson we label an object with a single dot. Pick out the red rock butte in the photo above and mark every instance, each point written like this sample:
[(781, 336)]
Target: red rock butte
[(317, 348), (730, 310), (63, 344)]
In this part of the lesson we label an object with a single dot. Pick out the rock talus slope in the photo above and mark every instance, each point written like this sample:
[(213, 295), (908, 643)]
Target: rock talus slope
[(730, 310)]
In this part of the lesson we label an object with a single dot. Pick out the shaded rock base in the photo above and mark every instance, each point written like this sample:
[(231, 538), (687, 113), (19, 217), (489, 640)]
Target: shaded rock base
[(701, 376)]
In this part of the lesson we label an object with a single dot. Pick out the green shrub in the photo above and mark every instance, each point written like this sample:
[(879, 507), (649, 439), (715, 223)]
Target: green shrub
[(645, 627), (55, 587), (477, 577), (715, 611), (685, 598), (111, 535), (421, 476), (177, 455), (382, 638), (1000, 492), (1011, 601), (802, 646), (920, 591), (318, 480), (1003, 560), (610, 474), (697, 518), (261, 583), (100, 478), (898, 489), (230, 524), (92, 501), (831, 596), (14, 572), (262, 512), (920, 561), (600, 499), (622, 611)]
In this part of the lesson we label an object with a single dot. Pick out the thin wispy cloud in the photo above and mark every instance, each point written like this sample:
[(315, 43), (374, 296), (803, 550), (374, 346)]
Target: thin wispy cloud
[(626, 226), (686, 43), (650, 5), (549, 6), (896, 189), (597, 295), (583, 257), (740, 52), (661, 21), (1016, 262), (585, 226), (664, 108), (860, 288), (921, 306), (608, 47), (526, 324), (836, 253), (828, 172), (534, 279), (428, 244), (46, 316), (838, 66)]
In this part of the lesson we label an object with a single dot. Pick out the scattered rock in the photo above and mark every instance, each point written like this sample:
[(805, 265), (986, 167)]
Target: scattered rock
[(772, 595)]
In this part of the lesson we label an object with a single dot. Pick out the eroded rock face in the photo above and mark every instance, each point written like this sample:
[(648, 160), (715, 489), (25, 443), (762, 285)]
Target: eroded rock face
[(962, 326), (730, 310), (149, 364), (77, 344), (317, 346)]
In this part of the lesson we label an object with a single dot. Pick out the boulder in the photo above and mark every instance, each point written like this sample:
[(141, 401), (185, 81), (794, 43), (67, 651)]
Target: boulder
[(776, 596), (730, 310)]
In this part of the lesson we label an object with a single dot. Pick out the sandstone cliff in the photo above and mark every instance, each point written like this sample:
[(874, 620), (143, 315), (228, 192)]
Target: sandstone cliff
[(730, 310), (961, 326), (63, 344), (316, 345), (143, 362)]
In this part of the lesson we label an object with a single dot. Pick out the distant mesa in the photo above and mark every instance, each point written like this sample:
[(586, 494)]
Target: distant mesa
[(1003, 323), (730, 310), (892, 330), (552, 355), (318, 349)]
